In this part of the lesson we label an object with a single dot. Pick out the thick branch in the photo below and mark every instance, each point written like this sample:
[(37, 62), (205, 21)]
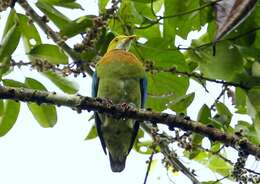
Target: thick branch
[(123, 111)]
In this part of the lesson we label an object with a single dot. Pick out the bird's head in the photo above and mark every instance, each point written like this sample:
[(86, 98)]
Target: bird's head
[(121, 42)]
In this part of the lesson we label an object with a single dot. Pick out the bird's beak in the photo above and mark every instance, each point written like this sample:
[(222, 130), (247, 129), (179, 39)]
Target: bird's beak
[(132, 37)]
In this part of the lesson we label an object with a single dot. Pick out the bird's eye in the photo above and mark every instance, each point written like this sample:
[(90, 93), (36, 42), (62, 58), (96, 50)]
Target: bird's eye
[(116, 39)]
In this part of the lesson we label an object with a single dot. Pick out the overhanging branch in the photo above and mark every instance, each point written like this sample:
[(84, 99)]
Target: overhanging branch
[(79, 103)]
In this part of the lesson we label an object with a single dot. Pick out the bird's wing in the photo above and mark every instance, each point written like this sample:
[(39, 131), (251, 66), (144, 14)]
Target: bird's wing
[(95, 81), (143, 88)]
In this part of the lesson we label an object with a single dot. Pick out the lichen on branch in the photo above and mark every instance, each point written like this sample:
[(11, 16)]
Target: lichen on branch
[(79, 103)]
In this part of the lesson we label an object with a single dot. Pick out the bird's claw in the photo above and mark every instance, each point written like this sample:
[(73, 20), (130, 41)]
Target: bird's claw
[(128, 106)]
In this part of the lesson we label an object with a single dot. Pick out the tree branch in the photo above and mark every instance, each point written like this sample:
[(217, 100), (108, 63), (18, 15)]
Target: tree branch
[(79, 103), (151, 68), (170, 156), (52, 34), (159, 18)]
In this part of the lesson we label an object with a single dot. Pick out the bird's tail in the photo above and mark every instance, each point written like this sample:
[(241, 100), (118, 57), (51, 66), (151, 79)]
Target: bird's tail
[(117, 165)]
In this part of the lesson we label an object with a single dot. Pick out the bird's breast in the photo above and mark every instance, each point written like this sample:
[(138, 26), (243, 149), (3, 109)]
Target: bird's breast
[(120, 90), (120, 64)]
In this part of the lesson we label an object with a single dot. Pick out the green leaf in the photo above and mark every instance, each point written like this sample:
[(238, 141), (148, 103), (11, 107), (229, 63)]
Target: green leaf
[(140, 134), (163, 88), (63, 3), (101, 45), (157, 51), (144, 1), (144, 147), (204, 117), (54, 2), (128, 13), (30, 35), (149, 33), (11, 23), (249, 53), (10, 42), (5, 66), (51, 53), (253, 96), (11, 20), (180, 25), (70, 5), (144, 9), (227, 64), (215, 146), (219, 121), (13, 83), (223, 110), (169, 26), (77, 26), (1, 107), (92, 133), (88, 55), (240, 101), (57, 17), (213, 162), (45, 115), (218, 165), (102, 5), (211, 182), (34, 84), (181, 104), (63, 83), (249, 131), (256, 69), (244, 127), (204, 114), (9, 117)]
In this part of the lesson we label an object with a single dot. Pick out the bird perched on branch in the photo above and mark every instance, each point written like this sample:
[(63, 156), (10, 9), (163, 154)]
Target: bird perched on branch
[(119, 77)]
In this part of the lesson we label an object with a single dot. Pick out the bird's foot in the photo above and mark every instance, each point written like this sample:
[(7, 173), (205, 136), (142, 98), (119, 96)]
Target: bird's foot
[(128, 106)]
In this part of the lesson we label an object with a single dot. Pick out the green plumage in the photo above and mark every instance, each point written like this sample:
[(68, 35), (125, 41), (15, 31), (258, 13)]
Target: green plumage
[(119, 73)]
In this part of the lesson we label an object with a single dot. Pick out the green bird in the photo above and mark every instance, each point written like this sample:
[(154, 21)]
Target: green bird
[(120, 77)]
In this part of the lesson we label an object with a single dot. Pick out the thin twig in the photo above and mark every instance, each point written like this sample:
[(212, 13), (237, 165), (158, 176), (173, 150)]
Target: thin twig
[(176, 15), (205, 45), (148, 167), (219, 96), (220, 179), (195, 75)]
